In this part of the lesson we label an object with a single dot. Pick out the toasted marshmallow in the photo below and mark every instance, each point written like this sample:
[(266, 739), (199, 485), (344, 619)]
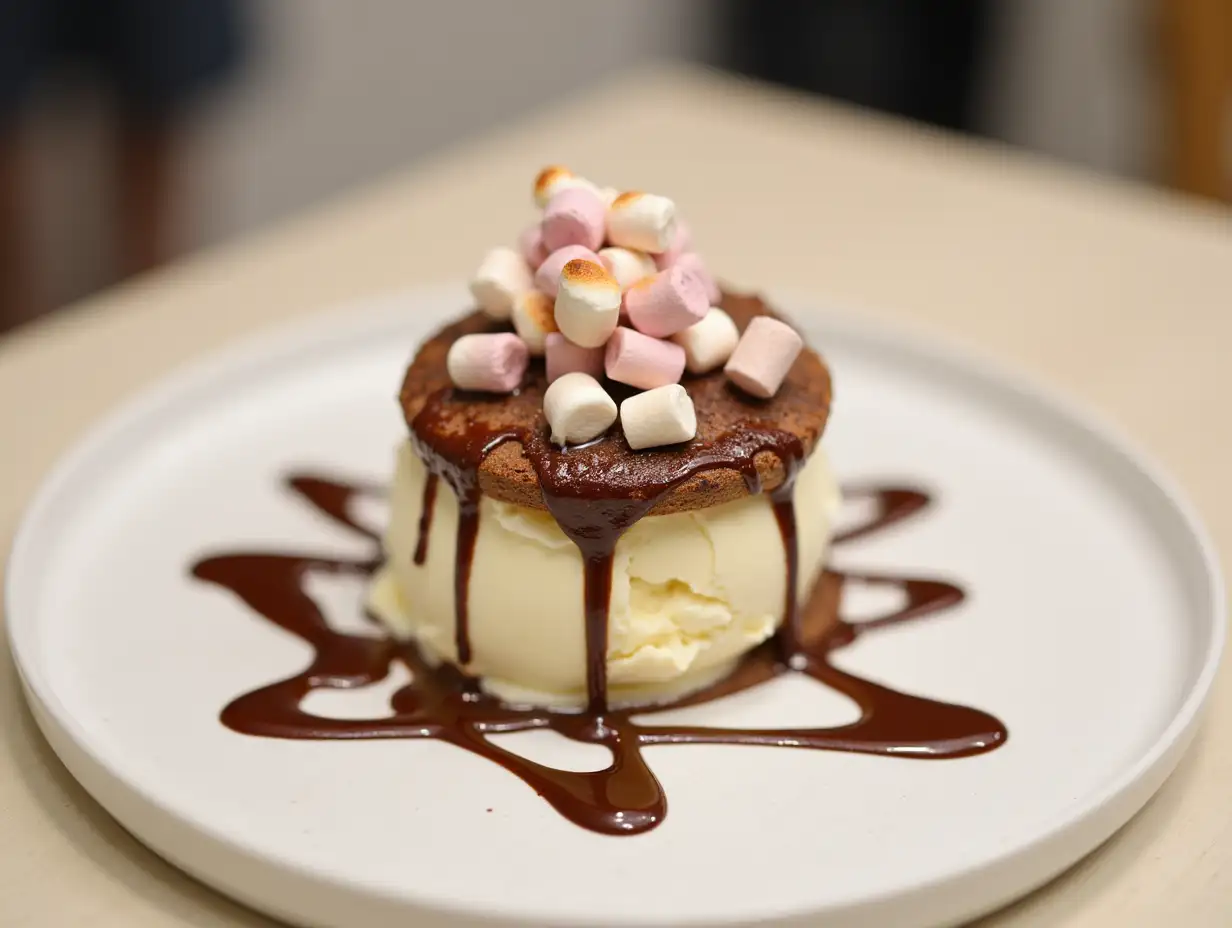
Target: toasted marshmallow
[(587, 303), (534, 319), (643, 221), (709, 343), (502, 276), (577, 409), (493, 362), (555, 178), (662, 416), (626, 265), (547, 278), (764, 355), (667, 303)]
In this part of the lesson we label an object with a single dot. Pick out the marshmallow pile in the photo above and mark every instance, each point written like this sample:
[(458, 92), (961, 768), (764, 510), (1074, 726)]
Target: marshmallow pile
[(608, 284)]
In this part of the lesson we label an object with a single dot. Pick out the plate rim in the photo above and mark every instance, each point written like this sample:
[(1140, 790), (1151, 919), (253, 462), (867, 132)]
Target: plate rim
[(1095, 818)]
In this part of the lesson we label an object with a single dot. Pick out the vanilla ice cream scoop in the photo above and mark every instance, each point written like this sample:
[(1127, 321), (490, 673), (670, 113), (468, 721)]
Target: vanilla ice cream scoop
[(691, 591)]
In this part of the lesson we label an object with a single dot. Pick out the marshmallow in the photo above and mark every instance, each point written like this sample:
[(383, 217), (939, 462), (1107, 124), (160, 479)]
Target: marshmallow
[(555, 178), (587, 303), (534, 318), (706, 344), (663, 416), (608, 195), (574, 216), (530, 243), (492, 362), (682, 242), (547, 278), (667, 303), (764, 355), (501, 277), (562, 357), (626, 265), (577, 409), (642, 361), (642, 221), (693, 262)]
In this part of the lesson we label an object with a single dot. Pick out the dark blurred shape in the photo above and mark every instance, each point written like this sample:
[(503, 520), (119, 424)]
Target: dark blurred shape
[(1197, 66), (912, 58), (154, 58)]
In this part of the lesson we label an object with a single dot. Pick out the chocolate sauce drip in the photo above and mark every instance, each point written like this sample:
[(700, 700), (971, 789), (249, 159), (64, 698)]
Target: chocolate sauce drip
[(425, 519), (789, 633), (455, 456), (891, 504), (468, 531), (625, 797), (332, 498)]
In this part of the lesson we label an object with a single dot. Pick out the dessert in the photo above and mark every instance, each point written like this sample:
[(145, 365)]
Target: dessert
[(542, 510), (600, 514)]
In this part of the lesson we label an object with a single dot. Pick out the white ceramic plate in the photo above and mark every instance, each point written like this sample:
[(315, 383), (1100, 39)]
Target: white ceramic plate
[(1093, 628)]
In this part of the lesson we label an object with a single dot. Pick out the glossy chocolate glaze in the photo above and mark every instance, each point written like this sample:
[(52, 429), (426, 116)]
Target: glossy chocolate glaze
[(625, 797)]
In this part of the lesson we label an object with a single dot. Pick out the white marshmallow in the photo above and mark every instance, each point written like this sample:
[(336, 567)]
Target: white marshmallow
[(555, 178), (587, 303), (643, 221), (709, 343), (577, 408), (627, 265), (503, 275), (534, 318), (662, 416), (608, 195)]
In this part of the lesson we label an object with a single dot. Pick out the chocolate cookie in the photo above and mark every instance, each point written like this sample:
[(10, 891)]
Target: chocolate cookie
[(507, 423)]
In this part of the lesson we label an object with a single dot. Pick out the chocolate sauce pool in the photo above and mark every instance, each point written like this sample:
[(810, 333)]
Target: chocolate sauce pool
[(625, 797)]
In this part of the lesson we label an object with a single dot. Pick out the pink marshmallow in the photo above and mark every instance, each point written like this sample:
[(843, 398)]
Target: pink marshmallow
[(683, 242), (763, 356), (547, 278), (574, 216), (492, 362), (693, 261), (667, 303), (562, 357), (642, 361), (530, 244)]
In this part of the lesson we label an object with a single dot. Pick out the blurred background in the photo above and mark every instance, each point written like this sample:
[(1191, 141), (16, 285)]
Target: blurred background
[(137, 130)]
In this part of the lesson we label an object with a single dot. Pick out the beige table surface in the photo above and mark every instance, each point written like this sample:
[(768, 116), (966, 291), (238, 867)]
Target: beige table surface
[(1118, 295)]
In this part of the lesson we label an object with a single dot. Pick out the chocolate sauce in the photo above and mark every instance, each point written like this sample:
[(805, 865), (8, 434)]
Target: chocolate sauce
[(891, 504), (783, 501), (332, 498), (427, 508), (456, 457), (625, 797)]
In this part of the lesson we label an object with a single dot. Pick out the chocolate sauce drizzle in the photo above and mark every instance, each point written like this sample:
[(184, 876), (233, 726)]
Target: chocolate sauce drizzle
[(625, 797), (427, 508)]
